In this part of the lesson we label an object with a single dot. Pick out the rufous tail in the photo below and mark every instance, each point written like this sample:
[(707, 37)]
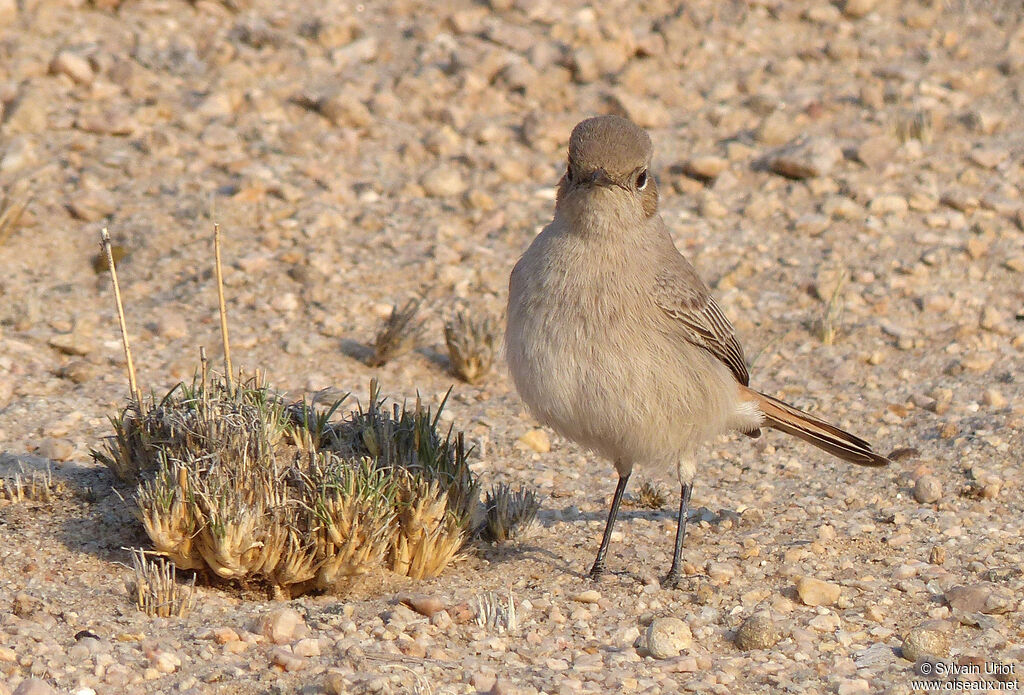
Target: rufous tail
[(784, 417)]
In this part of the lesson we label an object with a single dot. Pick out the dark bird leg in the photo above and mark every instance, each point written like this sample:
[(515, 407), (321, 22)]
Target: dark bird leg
[(684, 501), (598, 567)]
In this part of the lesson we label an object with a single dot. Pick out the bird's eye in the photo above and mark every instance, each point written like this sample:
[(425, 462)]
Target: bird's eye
[(641, 180), (568, 173)]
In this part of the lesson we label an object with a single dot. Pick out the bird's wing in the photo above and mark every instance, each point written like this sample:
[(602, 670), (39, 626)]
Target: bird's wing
[(681, 294)]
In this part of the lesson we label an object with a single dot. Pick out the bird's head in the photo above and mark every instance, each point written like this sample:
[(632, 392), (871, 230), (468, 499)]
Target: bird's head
[(608, 168)]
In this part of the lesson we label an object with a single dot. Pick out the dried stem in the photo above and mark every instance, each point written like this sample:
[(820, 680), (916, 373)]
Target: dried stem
[(132, 383), (223, 308), (11, 210), (204, 368), (833, 314)]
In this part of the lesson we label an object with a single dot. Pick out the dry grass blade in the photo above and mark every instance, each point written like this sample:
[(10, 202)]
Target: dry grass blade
[(399, 334), (221, 305), (509, 513), (832, 317), (471, 345), (37, 486), (12, 207), (914, 124), (157, 592)]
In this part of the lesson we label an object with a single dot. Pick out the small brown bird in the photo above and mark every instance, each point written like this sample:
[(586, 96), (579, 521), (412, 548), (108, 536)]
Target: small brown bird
[(615, 342)]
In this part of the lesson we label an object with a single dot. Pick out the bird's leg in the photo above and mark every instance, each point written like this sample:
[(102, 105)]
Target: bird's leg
[(598, 567), (684, 501)]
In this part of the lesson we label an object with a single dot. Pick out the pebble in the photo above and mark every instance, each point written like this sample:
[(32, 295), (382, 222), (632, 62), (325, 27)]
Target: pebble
[(855, 9), (443, 181), (877, 152), (959, 200), (928, 489), (707, 167), (759, 631), (667, 637), (56, 449), (279, 656), (890, 204), (306, 647), (74, 66), (815, 592), (720, 572), (842, 208), (646, 113), (165, 661), (171, 325), (994, 398), (72, 344), (923, 641), (424, 605), (79, 371), (92, 206), (34, 686), (336, 684), (588, 596), (983, 597), (711, 207), (223, 635), (282, 626), (345, 110), (989, 158), (853, 686), (776, 129), (806, 158), (8, 12), (536, 440)]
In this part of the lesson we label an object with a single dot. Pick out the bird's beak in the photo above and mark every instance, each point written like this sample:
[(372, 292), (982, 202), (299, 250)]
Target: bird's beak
[(600, 178)]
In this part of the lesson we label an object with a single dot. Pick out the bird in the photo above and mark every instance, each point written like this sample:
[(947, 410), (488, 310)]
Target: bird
[(615, 342)]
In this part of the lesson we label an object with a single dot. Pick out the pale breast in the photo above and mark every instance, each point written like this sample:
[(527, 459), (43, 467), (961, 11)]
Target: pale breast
[(591, 359)]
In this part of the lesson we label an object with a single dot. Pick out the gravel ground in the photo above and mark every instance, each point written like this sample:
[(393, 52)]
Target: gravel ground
[(356, 156)]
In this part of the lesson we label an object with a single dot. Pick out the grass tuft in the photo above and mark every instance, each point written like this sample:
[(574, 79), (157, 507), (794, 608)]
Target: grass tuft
[(509, 513), (399, 334), (650, 496), (232, 482), (471, 346), (157, 591)]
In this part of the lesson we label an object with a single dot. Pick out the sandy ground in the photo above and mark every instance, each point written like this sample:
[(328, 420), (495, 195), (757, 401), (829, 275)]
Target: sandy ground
[(356, 156)]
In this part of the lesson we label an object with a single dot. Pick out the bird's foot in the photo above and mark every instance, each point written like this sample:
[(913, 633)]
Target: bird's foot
[(597, 570), (675, 580)]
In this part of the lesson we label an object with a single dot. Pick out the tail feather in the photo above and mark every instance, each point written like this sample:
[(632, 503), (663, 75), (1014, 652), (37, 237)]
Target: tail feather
[(839, 443)]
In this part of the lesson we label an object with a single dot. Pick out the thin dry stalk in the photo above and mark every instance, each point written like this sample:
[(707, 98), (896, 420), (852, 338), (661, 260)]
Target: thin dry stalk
[(223, 308), (495, 614), (157, 592), (914, 124), (132, 383), (204, 369), (11, 209), (37, 486), (398, 335), (833, 315)]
